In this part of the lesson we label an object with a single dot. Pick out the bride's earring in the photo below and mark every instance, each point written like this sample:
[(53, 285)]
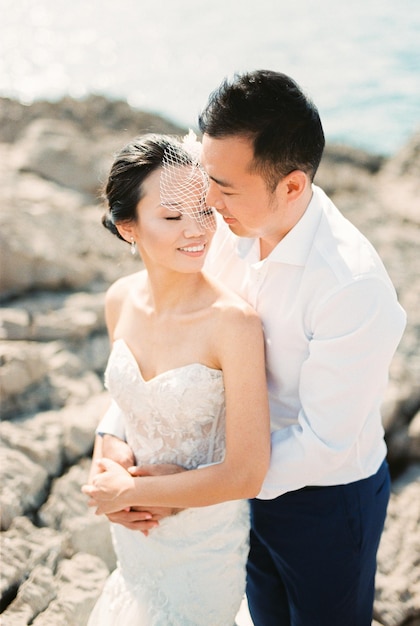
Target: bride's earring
[(133, 247)]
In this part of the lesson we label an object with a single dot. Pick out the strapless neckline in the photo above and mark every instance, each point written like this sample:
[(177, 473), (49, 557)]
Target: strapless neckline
[(196, 365), (177, 417)]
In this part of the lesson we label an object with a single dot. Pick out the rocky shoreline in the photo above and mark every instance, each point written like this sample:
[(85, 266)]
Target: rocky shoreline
[(56, 262)]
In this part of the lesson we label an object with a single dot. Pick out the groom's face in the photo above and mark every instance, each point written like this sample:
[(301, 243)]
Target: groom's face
[(236, 191)]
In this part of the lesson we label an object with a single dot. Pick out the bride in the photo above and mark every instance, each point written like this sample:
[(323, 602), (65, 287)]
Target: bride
[(187, 373)]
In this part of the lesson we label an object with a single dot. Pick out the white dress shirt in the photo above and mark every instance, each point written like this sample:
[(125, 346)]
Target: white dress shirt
[(332, 323)]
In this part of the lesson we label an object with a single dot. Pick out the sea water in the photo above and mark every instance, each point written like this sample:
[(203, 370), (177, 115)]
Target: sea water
[(358, 60)]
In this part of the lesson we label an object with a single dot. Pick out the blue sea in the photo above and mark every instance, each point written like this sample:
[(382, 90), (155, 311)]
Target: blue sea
[(358, 60)]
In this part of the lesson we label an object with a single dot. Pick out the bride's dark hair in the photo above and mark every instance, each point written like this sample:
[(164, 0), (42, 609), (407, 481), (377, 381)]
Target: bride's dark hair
[(132, 165)]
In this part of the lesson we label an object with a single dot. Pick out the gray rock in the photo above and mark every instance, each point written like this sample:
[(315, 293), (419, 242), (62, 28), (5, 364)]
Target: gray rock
[(39, 438), (66, 500), (93, 116), (94, 352), (36, 376), (66, 598), (79, 581), (90, 533), (57, 151), (24, 485), (67, 510), (79, 424), (33, 597), (21, 365), (63, 244), (399, 183), (398, 576), (70, 382), (403, 429), (24, 547), (47, 316), (15, 324)]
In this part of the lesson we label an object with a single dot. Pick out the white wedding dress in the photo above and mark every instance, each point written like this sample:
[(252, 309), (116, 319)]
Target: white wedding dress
[(190, 570)]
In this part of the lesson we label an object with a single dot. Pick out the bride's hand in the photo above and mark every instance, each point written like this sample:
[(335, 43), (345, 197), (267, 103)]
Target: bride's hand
[(110, 488)]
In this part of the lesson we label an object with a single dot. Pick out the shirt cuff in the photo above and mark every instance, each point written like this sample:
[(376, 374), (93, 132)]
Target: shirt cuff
[(112, 422)]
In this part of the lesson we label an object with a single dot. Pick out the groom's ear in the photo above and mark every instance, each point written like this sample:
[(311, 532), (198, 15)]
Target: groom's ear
[(296, 183)]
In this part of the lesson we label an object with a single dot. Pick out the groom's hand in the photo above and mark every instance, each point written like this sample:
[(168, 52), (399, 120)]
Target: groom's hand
[(160, 469), (141, 520), (117, 450)]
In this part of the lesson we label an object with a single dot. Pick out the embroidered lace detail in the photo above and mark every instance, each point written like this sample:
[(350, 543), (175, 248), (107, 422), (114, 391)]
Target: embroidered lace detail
[(190, 570), (176, 417)]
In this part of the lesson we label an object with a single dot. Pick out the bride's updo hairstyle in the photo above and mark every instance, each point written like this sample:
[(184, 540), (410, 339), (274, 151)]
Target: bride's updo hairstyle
[(132, 165)]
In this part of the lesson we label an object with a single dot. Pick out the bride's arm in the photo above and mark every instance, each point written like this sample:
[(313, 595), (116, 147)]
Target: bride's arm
[(110, 437), (240, 348)]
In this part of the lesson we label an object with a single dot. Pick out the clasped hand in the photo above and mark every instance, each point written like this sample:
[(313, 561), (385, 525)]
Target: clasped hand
[(110, 488), (107, 486)]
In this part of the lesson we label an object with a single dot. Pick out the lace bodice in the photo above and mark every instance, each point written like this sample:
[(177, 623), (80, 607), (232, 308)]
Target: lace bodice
[(190, 569), (176, 417)]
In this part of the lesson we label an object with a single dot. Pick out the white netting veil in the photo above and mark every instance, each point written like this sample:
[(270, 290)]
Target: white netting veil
[(184, 183)]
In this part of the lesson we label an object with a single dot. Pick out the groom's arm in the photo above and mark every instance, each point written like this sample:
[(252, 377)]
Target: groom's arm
[(110, 438)]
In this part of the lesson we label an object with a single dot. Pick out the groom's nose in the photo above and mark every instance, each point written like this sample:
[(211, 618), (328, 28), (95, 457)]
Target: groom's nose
[(214, 197)]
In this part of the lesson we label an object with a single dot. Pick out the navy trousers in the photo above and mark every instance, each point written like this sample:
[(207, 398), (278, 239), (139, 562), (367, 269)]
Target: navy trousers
[(312, 559)]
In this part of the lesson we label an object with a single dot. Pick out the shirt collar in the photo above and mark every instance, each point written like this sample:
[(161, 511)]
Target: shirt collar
[(294, 248)]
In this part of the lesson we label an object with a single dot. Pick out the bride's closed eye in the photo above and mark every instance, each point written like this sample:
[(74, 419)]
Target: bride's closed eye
[(207, 211)]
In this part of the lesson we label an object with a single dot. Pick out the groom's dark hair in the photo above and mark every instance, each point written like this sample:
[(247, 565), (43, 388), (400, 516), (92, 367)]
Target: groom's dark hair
[(271, 109)]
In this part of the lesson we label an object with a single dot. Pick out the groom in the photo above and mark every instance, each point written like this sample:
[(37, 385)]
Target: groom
[(332, 323)]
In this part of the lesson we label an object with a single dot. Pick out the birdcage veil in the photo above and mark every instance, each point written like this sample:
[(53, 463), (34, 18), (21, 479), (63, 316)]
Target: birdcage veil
[(184, 183)]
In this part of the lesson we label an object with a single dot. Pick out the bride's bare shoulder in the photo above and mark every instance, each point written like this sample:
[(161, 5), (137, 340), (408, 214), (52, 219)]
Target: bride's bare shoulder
[(117, 296), (226, 298), (231, 311), (119, 290), (124, 285)]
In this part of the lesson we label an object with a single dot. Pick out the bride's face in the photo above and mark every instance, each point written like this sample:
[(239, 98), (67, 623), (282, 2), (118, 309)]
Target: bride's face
[(171, 237)]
